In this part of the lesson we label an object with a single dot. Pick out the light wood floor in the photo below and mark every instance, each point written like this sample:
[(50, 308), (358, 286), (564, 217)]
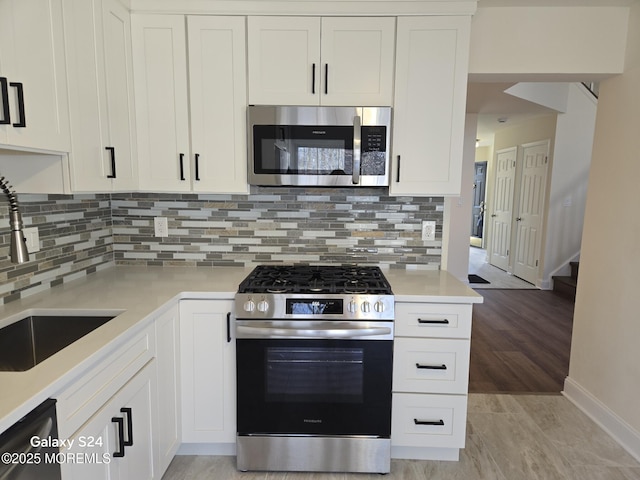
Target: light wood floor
[(509, 437)]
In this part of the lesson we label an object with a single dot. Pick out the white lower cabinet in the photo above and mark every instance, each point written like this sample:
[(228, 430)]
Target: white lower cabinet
[(118, 441), (430, 380), (208, 366)]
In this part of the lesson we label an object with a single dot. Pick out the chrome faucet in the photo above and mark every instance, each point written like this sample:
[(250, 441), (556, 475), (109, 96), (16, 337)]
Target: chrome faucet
[(19, 252)]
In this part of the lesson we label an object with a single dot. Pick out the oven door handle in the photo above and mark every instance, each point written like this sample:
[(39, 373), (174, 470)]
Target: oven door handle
[(329, 333)]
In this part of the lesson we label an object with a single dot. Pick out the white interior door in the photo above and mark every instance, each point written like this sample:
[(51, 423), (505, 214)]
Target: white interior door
[(502, 208), (531, 211)]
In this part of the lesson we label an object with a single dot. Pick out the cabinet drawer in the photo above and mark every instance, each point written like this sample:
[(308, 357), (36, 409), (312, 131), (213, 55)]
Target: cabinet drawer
[(433, 320), (430, 365), (85, 396), (428, 420)]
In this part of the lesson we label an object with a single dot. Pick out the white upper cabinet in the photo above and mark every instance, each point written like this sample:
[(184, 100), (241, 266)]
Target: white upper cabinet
[(100, 70), (321, 61), (430, 95), (211, 155), (33, 85)]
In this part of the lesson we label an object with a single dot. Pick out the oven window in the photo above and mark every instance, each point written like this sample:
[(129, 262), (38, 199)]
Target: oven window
[(314, 374)]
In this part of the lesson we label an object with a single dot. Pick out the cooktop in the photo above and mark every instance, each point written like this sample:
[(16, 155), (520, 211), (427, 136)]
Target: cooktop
[(312, 279)]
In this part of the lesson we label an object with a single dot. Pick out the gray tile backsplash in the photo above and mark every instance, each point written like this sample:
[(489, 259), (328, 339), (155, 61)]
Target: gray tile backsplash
[(75, 239), (80, 234), (277, 225)]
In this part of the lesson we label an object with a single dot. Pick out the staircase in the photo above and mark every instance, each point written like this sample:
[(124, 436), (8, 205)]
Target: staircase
[(566, 286)]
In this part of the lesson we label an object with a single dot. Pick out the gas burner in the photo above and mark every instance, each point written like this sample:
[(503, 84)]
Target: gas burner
[(323, 279), (355, 287)]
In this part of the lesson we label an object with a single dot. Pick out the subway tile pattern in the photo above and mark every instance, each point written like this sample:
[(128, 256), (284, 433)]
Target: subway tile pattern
[(80, 234), (75, 240), (277, 225)]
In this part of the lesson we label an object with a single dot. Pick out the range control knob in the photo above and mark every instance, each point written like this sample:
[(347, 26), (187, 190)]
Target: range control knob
[(249, 306), (366, 307), (263, 306), (353, 306), (378, 306)]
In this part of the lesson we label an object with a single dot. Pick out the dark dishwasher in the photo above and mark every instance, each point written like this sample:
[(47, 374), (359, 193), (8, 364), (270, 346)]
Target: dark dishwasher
[(21, 460)]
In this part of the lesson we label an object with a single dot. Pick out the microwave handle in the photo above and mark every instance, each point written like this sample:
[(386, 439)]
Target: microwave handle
[(357, 145)]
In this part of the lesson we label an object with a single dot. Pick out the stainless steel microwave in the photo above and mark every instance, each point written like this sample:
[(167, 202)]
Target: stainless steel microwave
[(319, 146)]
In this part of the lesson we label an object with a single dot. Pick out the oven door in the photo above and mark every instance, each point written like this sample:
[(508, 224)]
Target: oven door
[(314, 387)]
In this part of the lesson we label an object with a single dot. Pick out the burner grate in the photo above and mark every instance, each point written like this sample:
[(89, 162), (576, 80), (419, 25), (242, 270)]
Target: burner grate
[(349, 279)]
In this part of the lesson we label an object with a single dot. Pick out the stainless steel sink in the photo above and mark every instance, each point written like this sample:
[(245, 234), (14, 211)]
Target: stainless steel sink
[(32, 339)]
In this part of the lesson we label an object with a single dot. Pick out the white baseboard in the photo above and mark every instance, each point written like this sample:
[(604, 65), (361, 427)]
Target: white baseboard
[(224, 449), (611, 423)]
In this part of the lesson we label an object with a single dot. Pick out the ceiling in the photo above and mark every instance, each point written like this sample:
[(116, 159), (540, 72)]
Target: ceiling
[(497, 110)]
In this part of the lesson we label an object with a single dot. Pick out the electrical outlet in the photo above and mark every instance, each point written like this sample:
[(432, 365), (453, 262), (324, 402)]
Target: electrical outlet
[(161, 226), (32, 237), (428, 230)]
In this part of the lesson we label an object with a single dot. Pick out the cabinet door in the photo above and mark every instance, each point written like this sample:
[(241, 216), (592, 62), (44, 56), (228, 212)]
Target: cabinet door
[(218, 98), (207, 358), (118, 75), (98, 47), (430, 96), (284, 60), (32, 55), (168, 361), (357, 61), (162, 109), (98, 440)]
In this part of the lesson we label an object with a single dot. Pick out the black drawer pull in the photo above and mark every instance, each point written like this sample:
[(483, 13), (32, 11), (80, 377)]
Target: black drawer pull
[(197, 167), (431, 367), (120, 422), (112, 153), (20, 93), (434, 322), (4, 91), (182, 166), (228, 327), (127, 411), (439, 423)]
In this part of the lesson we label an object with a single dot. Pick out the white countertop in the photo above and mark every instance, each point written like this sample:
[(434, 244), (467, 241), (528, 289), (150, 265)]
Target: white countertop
[(141, 291)]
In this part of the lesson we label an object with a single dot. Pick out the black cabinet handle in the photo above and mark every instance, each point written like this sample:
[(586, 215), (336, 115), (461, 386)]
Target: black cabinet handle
[(129, 413), (182, 166), (112, 152), (428, 422), (434, 322), (20, 93), (120, 422), (431, 367), (326, 78), (4, 88), (229, 327), (198, 166), (313, 79), (398, 170)]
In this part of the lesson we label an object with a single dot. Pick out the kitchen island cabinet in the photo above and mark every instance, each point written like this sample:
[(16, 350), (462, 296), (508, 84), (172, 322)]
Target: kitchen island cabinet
[(34, 114), (328, 61), (190, 84), (432, 57)]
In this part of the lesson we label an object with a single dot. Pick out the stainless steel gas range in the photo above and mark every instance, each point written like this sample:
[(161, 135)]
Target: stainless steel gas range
[(314, 365)]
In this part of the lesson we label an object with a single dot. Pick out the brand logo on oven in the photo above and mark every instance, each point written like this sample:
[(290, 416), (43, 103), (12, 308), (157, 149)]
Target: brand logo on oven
[(312, 420), (319, 132)]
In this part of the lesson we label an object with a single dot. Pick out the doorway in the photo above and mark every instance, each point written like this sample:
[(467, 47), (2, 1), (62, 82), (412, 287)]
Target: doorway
[(477, 209)]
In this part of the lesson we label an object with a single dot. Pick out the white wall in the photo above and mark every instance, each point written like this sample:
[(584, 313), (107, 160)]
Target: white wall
[(457, 210), (604, 373), (569, 176), (543, 43)]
